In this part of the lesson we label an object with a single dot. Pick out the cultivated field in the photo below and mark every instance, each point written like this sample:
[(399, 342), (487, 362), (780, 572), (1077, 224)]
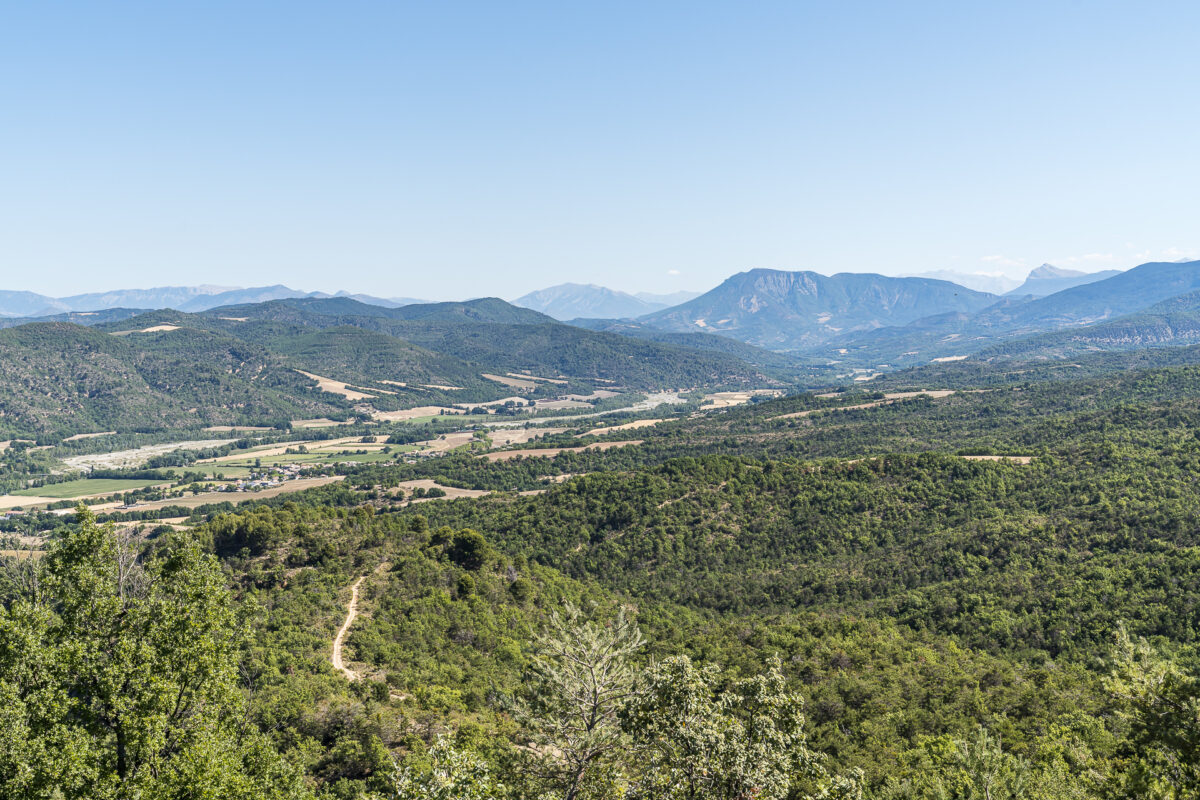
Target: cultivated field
[(516, 383), (231, 428), (558, 405), (88, 487), (419, 412), (523, 375), (337, 387), (319, 422)]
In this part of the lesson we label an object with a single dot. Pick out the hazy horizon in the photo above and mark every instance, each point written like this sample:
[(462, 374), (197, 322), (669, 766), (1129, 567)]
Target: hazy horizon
[(350, 290)]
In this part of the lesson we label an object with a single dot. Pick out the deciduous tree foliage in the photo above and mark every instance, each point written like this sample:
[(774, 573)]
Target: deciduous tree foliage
[(118, 678)]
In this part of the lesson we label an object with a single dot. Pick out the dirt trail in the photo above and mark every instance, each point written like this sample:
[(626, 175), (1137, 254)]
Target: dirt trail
[(351, 613)]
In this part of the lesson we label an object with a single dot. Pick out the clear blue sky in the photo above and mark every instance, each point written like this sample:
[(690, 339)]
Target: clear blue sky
[(455, 149)]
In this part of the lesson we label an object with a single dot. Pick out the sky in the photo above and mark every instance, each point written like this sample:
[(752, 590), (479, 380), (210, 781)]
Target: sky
[(448, 150)]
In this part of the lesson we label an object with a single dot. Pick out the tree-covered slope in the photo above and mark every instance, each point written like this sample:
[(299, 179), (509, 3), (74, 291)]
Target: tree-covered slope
[(494, 336), (1171, 323), (61, 378), (1138, 291)]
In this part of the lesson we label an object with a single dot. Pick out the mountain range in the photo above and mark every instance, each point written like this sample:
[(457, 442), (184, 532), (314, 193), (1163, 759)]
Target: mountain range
[(959, 334), (797, 310), (786, 325), (181, 298)]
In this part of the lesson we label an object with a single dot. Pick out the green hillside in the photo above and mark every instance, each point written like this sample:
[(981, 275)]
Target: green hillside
[(62, 378), (497, 337), (169, 370), (927, 607)]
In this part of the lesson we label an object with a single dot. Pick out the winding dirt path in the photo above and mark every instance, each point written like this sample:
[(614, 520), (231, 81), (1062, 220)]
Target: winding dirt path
[(351, 613)]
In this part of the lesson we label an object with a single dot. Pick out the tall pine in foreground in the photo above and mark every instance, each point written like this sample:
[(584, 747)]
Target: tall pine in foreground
[(118, 677)]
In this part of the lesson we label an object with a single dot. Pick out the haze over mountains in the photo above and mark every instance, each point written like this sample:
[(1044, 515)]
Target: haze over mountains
[(812, 322), (1048, 279), (572, 300), (995, 284), (568, 301), (181, 298)]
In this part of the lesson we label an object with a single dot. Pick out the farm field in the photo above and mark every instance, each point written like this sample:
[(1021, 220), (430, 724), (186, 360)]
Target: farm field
[(338, 387), (515, 383), (86, 487), (627, 426)]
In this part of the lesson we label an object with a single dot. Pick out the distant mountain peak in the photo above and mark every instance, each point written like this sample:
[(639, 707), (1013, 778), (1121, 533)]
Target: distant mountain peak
[(1049, 279), (579, 300), (1046, 271)]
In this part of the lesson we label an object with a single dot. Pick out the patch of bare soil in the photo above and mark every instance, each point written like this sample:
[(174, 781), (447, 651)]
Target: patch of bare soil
[(413, 413), (318, 422), (79, 436), (151, 329), (452, 492), (337, 387), (515, 383)]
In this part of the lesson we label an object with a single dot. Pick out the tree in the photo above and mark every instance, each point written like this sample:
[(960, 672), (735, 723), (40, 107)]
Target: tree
[(467, 548), (452, 774), (118, 678), (580, 676), (1162, 704), (693, 742)]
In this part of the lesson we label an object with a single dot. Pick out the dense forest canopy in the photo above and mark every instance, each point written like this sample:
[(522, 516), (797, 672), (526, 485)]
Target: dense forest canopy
[(966, 591)]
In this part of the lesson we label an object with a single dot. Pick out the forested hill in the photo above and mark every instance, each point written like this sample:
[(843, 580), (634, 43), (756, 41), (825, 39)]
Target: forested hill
[(1171, 323), (165, 370), (497, 336), (62, 378)]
